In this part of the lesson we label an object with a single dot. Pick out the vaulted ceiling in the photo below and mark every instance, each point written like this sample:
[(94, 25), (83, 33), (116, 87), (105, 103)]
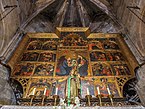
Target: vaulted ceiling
[(46, 15), (107, 16)]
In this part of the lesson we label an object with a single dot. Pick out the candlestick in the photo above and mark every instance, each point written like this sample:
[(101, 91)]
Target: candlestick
[(100, 100), (43, 99), (108, 91), (33, 93), (45, 91), (88, 93), (56, 98), (89, 97), (98, 90), (31, 101), (56, 90), (111, 99)]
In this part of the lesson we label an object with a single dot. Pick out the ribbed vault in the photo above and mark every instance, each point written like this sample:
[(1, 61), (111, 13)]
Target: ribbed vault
[(95, 14)]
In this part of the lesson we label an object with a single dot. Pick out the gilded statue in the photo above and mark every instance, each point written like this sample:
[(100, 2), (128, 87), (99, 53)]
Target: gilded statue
[(73, 82)]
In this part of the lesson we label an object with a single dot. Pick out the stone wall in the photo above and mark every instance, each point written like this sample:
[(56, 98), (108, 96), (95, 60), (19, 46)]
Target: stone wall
[(133, 26), (7, 96), (140, 85), (134, 30), (9, 23)]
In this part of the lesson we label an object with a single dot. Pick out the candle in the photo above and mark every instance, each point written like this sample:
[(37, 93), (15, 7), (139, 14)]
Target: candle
[(108, 91), (45, 91), (88, 93), (98, 90), (33, 93), (56, 90)]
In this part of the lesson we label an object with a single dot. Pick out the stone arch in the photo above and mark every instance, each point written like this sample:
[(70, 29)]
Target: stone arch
[(142, 33), (2, 27), (17, 88), (34, 15), (139, 72), (130, 91)]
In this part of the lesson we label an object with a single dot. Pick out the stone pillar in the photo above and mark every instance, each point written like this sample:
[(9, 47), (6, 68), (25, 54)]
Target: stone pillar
[(140, 73), (7, 96)]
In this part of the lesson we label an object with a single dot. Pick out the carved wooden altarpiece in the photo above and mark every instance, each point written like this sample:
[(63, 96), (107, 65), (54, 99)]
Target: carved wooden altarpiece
[(44, 62)]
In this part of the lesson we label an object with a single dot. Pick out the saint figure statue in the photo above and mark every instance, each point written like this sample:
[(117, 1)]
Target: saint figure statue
[(73, 84)]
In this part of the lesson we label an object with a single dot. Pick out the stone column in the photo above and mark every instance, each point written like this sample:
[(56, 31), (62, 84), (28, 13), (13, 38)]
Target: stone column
[(7, 96), (140, 73)]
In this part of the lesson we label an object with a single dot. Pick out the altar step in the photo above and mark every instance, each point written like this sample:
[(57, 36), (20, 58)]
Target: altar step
[(50, 107)]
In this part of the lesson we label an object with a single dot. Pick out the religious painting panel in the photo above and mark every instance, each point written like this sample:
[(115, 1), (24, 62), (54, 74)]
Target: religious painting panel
[(98, 56), (121, 69), (73, 39), (110, 56), (72, 61), (105, 87), (101, 69), (47, 57), (81, 34), (106, 56), (110, 43), (118, 56), (115, 56), (34, 45), (59, 87), (87, 87), (50, 45), (96, 45), (30, 56), (24, 69), (103, 43), (44, 69), (40, 87)]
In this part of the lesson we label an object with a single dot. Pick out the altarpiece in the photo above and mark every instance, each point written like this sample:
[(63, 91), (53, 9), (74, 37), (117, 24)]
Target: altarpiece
[(70, 63)]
